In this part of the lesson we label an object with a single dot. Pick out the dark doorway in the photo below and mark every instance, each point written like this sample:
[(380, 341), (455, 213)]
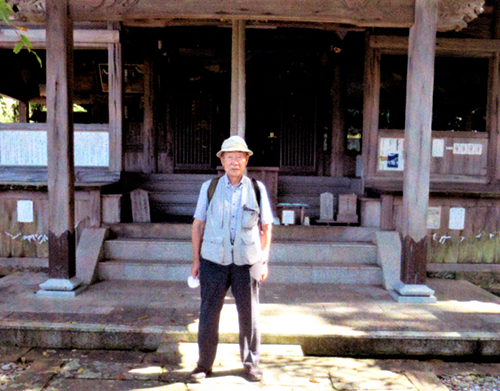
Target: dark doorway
[(288, 90), (194, 84)]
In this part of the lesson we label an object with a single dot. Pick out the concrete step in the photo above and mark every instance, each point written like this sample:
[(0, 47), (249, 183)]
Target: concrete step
[(299, 254), (313, 233), (144, 271), (304, 272), (323, 252), (131, 249)]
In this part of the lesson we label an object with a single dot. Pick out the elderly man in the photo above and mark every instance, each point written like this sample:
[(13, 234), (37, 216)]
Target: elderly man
[(231, 235)]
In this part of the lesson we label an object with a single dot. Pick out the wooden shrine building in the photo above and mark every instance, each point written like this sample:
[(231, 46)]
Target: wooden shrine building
[(394, 101)]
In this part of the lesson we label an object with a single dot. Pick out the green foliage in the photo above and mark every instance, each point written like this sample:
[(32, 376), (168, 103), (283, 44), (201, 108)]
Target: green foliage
[(5, 11), (9, 110), (24, 42)]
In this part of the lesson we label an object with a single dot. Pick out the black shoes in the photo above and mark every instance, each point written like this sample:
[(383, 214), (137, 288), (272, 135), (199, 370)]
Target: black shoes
[(198, 375), (253, 374)]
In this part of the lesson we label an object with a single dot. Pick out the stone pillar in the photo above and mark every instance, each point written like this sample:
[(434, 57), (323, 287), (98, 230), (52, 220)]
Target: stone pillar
[(418, 138), (238, 79), (61, 173)]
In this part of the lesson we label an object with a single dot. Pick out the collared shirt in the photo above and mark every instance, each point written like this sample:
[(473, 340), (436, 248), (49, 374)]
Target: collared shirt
[(233, 196)]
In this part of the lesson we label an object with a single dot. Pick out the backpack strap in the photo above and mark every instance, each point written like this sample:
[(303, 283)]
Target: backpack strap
[(211, 188), (257, 195), (257, 190), (215, 181)]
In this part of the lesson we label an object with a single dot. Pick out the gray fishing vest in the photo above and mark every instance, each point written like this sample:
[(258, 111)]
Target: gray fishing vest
[(216, 245)]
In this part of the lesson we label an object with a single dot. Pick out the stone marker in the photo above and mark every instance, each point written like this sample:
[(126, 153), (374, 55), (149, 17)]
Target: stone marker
[(140, 206), (326, 207)]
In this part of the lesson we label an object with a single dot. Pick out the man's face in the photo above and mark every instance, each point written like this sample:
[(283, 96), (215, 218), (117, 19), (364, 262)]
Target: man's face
[(234, 163)]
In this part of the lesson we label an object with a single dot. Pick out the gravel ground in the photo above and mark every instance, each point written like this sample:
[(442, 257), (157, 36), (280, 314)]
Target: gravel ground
[(9, 371), (471, 382)]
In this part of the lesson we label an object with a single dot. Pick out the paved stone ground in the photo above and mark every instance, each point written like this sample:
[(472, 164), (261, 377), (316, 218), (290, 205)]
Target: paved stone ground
[(285, 368), (325, 319)]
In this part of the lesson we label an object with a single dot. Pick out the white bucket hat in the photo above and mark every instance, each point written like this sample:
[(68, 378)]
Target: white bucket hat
[(234, 144)]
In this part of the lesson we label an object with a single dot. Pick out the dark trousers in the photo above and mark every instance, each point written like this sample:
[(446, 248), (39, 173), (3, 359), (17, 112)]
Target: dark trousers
[(215, 281)]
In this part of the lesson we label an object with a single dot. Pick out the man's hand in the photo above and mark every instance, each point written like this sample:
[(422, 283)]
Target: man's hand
[(195, 269), (264, 272)]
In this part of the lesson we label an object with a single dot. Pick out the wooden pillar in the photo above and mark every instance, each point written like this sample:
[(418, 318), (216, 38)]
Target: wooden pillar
[(371, 108), (418, 138), (61, 174), (24, 112), (238, 79), (115, 103)]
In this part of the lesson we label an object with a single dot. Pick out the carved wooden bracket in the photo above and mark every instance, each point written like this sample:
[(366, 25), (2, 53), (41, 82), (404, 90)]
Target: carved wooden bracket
[(453, 14), (28, 10)]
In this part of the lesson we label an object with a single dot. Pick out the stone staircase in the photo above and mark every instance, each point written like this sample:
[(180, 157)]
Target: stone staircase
[(299, 254)]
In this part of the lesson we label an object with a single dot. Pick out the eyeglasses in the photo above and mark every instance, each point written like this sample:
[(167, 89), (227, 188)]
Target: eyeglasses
[(234, 157)]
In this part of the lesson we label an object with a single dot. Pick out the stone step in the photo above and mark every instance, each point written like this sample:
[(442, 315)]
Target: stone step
[(314, 233), (131, 249), (280, 272)]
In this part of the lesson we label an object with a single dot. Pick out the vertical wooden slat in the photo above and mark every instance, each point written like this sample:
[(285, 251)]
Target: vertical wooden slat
[(42, 210), (191, 120), (95, 208), (61, 175), (149, 134), (337, 135), (298, 132), (492, 121), (496, 20), (420, 84)]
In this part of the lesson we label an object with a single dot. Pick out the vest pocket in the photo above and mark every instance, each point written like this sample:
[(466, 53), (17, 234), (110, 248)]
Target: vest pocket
[(250, 246), (250, 217), (212, 249)]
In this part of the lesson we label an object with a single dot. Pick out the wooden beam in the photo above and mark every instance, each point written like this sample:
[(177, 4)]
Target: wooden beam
[(238, 79), (420, 84), (82, 39), (453, 14), (61, 174), (470, 47)]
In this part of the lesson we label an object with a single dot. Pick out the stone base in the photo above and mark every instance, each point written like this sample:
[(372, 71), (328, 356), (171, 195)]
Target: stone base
[(413, 299), (408, 293), (347, 218), (61, 294), (61, 287)]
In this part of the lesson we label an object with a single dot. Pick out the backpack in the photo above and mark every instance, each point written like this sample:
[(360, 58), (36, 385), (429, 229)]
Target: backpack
[(213, 185)]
